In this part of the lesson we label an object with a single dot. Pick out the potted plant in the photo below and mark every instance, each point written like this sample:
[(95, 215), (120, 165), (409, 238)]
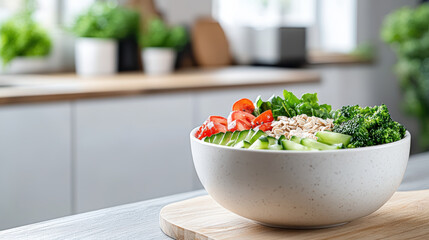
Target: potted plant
[(98, 31), (407, 31), (159, 46), (24, 44)]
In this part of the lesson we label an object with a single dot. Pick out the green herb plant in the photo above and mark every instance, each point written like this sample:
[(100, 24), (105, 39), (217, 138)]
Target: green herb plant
[(407, 32), (107, 20), (158, 34), (21, 36), (292, 106)]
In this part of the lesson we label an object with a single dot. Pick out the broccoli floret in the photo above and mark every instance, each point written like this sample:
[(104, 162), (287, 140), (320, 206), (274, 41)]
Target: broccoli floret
[(390, 132), (376, 116), (368, 126), (356, 128), (345, 113)]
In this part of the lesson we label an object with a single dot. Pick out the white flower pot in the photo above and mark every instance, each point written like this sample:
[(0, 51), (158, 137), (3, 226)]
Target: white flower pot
[(21, 65), (96, 56), (158, 61)]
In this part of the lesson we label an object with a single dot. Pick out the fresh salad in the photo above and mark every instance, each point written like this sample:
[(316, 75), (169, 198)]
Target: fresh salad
[(292, 123)]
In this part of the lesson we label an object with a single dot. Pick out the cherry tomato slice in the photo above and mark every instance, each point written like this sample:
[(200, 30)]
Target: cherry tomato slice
[(238, 125), (265, 117), (265, 127), (203, 132), (244, 105), (219, 127), (244, 116), (218, 119), (209, 128), (200, 130)]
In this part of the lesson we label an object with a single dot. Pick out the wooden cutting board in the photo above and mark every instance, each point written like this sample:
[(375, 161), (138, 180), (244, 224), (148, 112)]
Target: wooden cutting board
[(404, 216), (209, 44)]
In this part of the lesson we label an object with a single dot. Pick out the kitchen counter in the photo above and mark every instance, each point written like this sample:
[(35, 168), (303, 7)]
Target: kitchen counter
[(140, 220), (58, 87)]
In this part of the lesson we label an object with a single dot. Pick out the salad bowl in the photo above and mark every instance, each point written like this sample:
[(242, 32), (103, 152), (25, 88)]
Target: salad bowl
[(301, 189)]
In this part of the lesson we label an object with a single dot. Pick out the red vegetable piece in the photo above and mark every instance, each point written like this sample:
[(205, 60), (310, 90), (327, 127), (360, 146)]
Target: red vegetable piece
[(244, 116), (206, 129), (218, 119), (238, 125), (200, 130), (244, 105), (219, 128), (265, 117), (209, 128), (265, 127)]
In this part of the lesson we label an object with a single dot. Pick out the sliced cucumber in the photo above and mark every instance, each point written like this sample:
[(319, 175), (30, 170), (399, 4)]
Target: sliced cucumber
[(318, 145), (290, 145), (233, 138), (257, 135), (271, 140), (281, 138), (218, 137), (241, 136), (275, 147), (242, 144), (211, 138), (296, 139), (226, 138), (261, 143), (207, 139), (333, 138), (250, 135)]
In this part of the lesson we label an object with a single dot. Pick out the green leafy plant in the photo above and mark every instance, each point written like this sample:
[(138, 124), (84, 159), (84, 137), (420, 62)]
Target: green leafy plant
[(407, 32), (21, 36), (292, 106), (158, 34), (107, 20)]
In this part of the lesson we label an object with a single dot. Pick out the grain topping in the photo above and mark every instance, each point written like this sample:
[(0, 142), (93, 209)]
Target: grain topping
[(301, 126)]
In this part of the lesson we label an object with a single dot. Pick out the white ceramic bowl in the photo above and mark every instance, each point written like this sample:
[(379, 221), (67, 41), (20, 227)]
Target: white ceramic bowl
[(299, 189)]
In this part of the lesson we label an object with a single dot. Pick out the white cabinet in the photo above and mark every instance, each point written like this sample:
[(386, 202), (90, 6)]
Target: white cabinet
[(131, 149), (35, 159)]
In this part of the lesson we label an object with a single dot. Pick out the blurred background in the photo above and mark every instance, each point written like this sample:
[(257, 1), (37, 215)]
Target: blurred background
[(97, 98)]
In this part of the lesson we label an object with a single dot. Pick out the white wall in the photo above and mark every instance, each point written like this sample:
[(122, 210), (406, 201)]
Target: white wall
[(184, 11)]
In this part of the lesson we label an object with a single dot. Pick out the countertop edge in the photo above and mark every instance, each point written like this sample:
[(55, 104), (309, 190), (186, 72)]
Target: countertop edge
[(138, 84)]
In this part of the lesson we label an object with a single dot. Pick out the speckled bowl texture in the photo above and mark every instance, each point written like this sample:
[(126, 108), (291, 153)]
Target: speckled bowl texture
[(299, 189)]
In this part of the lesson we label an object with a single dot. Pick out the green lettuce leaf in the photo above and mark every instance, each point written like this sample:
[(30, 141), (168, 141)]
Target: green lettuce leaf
[(292, 106)]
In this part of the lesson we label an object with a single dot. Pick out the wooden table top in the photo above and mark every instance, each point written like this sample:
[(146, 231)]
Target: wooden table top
[(57, 87), (141, 220), (403, 217)]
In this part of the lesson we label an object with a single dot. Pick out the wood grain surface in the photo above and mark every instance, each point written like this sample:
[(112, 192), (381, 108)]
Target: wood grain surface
[(209, 43), (129, 221), (404, 216), (57, 87)]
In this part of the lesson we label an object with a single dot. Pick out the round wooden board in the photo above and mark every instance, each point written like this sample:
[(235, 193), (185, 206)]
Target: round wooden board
[(404, 216)]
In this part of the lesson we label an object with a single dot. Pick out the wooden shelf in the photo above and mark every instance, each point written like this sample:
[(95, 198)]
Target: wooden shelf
[(329, 58)]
